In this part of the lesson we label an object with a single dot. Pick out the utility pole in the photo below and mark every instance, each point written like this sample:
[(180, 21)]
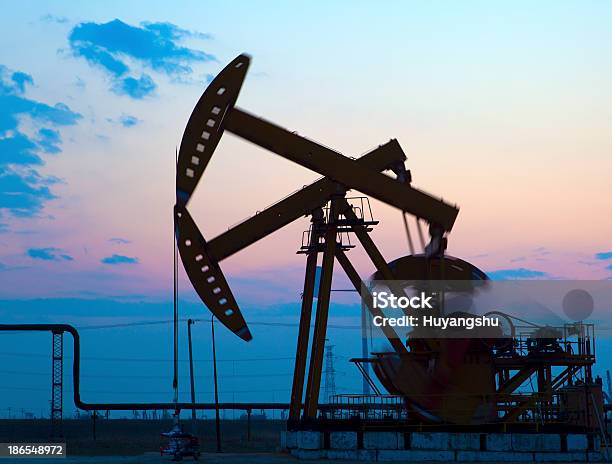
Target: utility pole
[(94, 417), (364, 347), (217, 418), (190, 322)]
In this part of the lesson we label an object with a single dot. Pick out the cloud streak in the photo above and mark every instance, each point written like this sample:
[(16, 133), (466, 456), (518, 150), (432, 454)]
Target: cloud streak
[(129, 121), (49, 254), (119, 259), (49, 18), (115, 46), (119, 241), (519, 273)]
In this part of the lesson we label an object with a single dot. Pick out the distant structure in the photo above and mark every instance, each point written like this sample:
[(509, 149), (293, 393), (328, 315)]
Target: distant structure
[(57, 380), (330, 373)]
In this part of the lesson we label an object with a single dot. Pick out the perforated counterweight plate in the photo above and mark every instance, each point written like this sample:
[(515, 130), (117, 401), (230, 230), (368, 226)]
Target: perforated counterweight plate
[(205, 126), (206, 275)]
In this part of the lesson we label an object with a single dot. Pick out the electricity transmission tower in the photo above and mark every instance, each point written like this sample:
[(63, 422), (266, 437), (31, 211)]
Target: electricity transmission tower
[(57, 380), (330, 373)]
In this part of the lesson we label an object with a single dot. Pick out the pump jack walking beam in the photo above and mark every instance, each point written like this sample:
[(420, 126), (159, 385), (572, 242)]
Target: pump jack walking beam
[(343, 170)]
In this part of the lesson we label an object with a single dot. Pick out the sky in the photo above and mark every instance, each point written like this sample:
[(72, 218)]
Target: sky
[(503, 110)]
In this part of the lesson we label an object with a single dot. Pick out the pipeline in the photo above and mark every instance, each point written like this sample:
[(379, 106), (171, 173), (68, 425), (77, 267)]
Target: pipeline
[(76, 370)]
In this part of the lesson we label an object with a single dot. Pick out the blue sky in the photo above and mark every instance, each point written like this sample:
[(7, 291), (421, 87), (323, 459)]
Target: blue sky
[(502, 109), (484, 99)]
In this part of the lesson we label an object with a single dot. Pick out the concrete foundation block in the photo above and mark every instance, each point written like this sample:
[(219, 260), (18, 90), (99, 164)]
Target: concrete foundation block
[(288, 439), (596, 443), (351, 455), (493, 456), (596, 456), (430, 441), (499, 442), (548, 442), (465, 441), (382, 440), (307, 454), (577, 442), (415, 455), (309, 440), (560, 457), (343, 440), (292, 439), (526, 442), (401, 440)]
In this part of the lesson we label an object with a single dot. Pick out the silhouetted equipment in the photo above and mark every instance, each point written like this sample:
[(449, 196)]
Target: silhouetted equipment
[(431, 380), (179, 444), (332, 215)]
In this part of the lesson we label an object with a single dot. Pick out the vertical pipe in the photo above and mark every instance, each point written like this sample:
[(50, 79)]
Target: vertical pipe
[(248, 425), (364, 349), (217, 418), (175, 309), (190, 322)]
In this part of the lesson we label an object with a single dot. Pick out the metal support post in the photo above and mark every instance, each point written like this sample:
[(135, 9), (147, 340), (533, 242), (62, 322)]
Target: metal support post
[(301, 354), (318, 340)]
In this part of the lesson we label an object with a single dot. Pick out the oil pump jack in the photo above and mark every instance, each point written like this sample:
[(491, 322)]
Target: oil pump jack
[(455, 381), (216, 113)]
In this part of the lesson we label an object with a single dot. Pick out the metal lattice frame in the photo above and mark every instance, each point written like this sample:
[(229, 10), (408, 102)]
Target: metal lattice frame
[(57, 380), (330, 374)]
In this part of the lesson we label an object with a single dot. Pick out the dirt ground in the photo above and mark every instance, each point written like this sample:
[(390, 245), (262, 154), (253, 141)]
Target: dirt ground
[(122, 437), (154, 458)]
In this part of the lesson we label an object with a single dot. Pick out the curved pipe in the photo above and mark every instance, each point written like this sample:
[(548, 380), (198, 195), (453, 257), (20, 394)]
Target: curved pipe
[(76, 371)]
